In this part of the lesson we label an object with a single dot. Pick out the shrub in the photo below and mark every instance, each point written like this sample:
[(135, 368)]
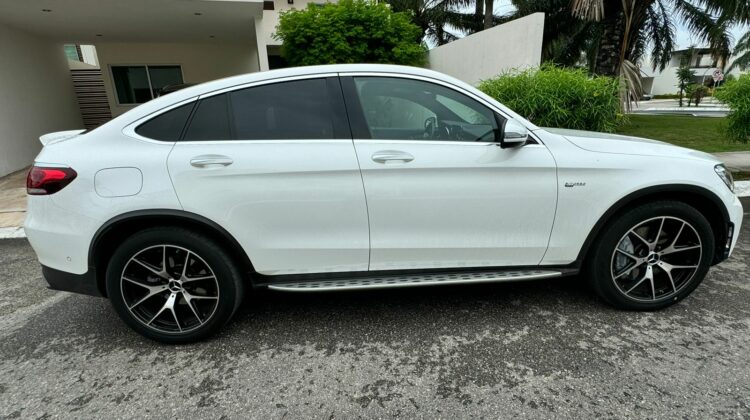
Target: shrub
[(552, 96), (350, 31), (736, 94)]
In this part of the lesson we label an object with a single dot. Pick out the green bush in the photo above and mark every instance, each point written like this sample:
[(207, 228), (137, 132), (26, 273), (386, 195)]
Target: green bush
[(552, 96), (350, 31), (736, 94)]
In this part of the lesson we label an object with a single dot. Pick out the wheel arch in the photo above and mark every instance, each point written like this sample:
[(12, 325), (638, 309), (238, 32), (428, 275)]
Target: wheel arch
[(120, 227), (702, 199)]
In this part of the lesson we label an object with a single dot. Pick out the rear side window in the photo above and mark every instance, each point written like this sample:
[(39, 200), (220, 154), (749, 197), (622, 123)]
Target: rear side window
[(299, 109), (210, 120), (167, 126)]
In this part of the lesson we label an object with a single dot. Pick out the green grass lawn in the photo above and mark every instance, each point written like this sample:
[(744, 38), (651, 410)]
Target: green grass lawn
[(699, 133)]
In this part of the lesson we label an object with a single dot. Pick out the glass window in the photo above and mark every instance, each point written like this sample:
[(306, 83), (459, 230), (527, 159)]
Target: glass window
[(210, 120), (139, 84), (298, 109), (405, 109), (167, 126)]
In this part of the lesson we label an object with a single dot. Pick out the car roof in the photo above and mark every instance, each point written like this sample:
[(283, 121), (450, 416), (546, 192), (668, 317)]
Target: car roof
[(193, 91)]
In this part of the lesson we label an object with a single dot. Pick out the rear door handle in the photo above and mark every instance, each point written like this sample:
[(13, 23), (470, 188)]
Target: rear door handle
[(385, 156), (204, 161)]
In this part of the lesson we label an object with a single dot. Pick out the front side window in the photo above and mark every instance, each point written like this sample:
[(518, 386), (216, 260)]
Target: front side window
[(405, 109), (139, 84)]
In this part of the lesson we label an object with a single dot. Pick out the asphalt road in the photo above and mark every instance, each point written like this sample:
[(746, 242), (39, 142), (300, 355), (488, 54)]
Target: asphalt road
[(538, 349)]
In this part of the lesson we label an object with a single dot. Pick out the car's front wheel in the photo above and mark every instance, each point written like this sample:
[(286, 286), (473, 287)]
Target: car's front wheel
[(173, 285), (651, 256)]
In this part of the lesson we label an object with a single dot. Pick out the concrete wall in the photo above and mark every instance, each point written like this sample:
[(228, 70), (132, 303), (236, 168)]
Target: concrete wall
[(36, 97), (200, 62), (516, 44)]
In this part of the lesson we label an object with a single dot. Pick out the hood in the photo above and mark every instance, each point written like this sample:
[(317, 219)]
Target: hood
[(59, 136), (627, 145)]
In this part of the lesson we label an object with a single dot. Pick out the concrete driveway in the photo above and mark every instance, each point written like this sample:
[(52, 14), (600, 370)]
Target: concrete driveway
[(537, 349)]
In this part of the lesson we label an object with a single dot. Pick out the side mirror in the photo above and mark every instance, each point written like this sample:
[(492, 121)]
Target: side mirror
[(514, 135)]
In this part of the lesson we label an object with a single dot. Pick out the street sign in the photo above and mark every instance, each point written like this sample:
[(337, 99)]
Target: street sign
[(718, 75)]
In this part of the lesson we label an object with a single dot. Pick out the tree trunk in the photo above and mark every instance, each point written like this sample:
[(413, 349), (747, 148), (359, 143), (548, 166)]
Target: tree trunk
[(608, 54), (489, 9)]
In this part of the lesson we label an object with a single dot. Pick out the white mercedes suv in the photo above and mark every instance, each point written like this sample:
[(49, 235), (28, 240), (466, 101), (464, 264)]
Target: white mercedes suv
[(360, 177)]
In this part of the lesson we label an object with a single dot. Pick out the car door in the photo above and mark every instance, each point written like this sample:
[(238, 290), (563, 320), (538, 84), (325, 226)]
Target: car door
[(274, 164), (440, 192)]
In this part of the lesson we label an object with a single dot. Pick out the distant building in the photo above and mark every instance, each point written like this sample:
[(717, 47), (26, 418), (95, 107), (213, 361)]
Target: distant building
[(665, 82)]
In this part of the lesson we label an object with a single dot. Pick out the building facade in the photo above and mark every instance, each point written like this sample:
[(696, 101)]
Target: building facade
[(78, 63)]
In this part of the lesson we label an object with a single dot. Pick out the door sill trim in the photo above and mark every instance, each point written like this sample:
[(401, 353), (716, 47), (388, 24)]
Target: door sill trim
[(414, 280)]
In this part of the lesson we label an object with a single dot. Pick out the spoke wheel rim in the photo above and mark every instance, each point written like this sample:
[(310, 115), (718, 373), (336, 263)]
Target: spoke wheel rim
[(656, 259), (169, 289)]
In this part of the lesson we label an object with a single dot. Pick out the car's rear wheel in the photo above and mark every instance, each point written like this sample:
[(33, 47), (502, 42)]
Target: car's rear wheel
[(651, 256), (173, 285)]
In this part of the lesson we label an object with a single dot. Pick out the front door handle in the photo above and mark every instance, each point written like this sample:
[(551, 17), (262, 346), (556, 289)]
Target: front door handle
[(385, 156), (207, 161)]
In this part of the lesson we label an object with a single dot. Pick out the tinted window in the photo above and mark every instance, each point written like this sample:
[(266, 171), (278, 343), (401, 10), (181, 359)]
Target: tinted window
[(405, 109), (167, 126), (290, 110), (210, 120)]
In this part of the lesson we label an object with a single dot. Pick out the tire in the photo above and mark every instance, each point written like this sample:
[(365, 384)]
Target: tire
[(175, 304), (667, 246)]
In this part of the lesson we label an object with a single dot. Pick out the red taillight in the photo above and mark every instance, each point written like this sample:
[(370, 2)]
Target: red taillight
[(43, 181)]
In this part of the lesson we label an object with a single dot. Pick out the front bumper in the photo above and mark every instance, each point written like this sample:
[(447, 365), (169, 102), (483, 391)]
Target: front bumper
[(75, 283)]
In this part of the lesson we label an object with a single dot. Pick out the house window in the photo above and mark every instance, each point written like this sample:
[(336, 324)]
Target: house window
[(139, 84), (73, 52)]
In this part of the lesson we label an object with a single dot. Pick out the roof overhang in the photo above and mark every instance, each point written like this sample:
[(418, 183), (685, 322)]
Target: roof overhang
[(94, 21)]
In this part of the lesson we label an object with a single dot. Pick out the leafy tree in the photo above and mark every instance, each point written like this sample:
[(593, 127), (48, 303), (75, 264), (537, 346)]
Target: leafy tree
[(684, 79), (350, 31)]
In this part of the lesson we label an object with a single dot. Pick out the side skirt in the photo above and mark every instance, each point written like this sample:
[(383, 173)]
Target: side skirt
[(412, 279)]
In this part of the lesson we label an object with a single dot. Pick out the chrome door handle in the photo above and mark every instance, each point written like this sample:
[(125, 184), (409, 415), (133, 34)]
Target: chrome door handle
[(203, 161), (386, 156)]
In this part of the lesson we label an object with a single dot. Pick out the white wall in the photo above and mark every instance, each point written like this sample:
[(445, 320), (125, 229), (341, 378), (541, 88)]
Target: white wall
[(200, 62), (516, 44), (36, 96)]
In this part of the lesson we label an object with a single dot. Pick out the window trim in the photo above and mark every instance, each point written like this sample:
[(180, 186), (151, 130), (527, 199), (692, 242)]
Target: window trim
[(148, 77)]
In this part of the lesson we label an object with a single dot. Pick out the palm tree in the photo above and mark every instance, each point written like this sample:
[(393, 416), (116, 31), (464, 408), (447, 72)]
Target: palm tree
[(629, 26), (742, 51)]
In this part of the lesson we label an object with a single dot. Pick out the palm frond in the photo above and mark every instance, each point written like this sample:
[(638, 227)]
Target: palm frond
[(588, 9)]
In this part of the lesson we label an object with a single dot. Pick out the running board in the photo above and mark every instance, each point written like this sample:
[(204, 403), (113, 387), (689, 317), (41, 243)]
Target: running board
[(411, 280)]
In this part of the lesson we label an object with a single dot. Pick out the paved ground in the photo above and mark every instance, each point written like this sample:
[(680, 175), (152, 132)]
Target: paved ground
[(541, 349)]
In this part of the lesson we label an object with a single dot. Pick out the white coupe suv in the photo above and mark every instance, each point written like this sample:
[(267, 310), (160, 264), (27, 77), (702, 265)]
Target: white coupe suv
[(360, 177)]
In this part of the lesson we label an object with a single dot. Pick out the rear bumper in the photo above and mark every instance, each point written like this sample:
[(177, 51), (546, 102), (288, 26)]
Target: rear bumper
[(75, 283)]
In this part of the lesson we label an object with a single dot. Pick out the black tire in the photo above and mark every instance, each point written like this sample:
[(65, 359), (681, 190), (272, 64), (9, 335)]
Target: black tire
[(216, 290), (612, 279)]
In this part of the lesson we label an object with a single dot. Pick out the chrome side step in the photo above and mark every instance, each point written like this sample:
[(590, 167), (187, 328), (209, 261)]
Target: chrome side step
[(411, 280)]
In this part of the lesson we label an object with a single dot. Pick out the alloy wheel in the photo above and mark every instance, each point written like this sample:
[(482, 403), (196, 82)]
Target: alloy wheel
[(169, 289), (656, 259)]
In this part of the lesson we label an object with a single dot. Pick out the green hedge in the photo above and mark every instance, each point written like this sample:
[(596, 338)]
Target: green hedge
[(349, 31), (736, 94), (552, 96)]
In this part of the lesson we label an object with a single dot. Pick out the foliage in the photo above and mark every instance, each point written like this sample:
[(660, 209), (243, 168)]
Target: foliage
[(611, 31), (695, 93), (699, 133), (350, 31), (559, 97), (684, 78), (443, 21), (736, 94)]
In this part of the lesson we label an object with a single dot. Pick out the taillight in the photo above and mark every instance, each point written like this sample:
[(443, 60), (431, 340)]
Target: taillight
[(43, 181)]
